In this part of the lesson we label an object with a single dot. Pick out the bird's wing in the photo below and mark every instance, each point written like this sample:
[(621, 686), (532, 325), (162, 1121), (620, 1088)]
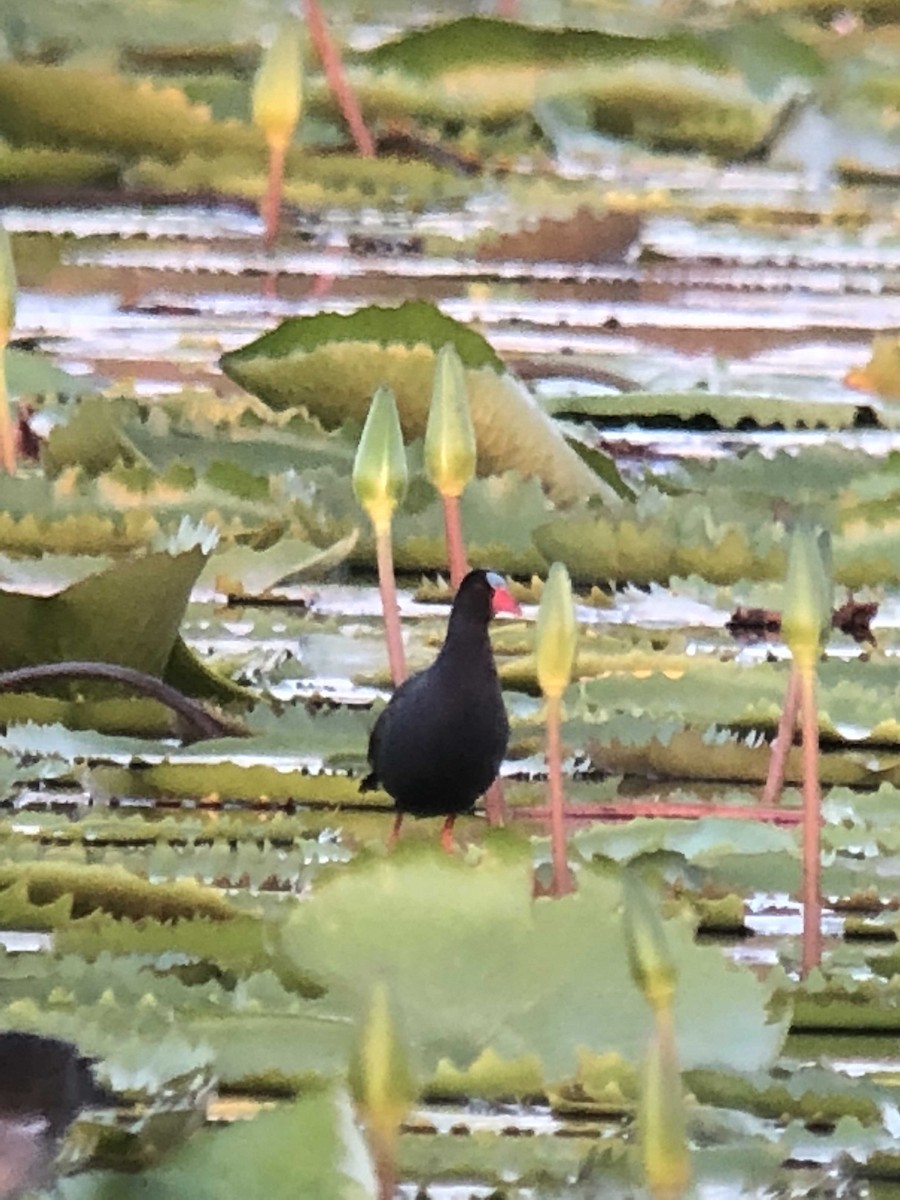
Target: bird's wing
[(375, 738), (370, 783)]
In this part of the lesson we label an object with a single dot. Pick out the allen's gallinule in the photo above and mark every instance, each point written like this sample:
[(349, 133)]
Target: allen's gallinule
[(439, 743)]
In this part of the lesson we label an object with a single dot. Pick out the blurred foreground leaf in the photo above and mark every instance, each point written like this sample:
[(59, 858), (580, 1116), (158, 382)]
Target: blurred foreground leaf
[(472, 962)]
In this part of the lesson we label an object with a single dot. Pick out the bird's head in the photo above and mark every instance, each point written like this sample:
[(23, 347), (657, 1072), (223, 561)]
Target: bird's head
[(485, 593), (502, 599)]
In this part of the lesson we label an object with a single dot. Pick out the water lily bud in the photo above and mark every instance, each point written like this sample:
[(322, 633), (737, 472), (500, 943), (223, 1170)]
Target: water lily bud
[(651, 963), (380, 473), (450, 447), (661, 1118), (556, 634), (278, 87), (380, 1080), (8, 287), (806, 618)]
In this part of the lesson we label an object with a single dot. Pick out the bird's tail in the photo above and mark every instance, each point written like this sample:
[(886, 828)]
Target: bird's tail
[(370, 783)]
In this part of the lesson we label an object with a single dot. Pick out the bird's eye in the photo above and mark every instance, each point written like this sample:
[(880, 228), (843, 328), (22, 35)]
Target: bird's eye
[(495, 580)]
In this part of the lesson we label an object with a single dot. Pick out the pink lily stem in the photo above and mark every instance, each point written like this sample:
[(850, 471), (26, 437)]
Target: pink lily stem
[(812, 826), (385, 1167), (495, 805), (388, 588), (628, 810), (783, 739), (562, 877), (337, 79), (456, 549), (270, 209), (7, 430)]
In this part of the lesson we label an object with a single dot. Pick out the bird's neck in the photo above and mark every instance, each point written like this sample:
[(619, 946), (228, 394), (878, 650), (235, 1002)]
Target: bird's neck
[(466, 637)]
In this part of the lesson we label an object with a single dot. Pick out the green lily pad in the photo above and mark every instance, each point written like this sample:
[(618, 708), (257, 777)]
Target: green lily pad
[(129, 614), (730, 411), (472, 962), (243, 571), (331, 365), (31, 374), (74, 108), (484, 41), (309, 1148)]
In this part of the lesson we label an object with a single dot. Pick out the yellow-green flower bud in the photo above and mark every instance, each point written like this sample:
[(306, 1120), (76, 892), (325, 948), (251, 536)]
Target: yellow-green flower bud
[(651, 963), (8, 287), (661, 1118), (556, 634), (450, 447), (380, 1079), (806, 618), (278, 87), (380, 473)]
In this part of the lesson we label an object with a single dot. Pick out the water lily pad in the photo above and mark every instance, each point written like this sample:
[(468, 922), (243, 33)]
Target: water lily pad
[(311, 1147), (545, 973), (243, 571), (331, 365), (129, 613), (703, 409)]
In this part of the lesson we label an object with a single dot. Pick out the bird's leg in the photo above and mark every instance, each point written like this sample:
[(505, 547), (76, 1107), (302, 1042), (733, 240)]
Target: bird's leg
[(395, 831), (447, 833)]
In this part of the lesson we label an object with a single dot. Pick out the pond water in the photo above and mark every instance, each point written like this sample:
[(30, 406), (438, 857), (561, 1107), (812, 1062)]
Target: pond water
[(153, 295)]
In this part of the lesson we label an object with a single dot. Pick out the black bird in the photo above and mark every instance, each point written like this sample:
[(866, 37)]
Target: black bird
[(44, 1084), (439, 743)]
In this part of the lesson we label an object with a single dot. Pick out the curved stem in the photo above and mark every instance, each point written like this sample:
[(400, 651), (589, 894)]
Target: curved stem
[(456, 549), (202, 724), (562, 877), (783, 739), (812, 826), (388, 589)]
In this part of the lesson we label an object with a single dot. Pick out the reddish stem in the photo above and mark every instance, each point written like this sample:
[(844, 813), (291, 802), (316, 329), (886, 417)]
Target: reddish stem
[(628, 810), (7, 430), (388, 588), (453, 534), (495, 805), (385, 1167), (783, 739), (562, 877), (507, 10), (270, 209), (812, 826), (337, 80)]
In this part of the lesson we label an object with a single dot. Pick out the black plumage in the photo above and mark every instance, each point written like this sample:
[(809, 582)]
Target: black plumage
[(439, 743)]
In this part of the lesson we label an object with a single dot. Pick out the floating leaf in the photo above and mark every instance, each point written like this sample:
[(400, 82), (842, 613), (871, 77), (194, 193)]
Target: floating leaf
[(530, 964), (702, 409), (331, 364), (310, 1147), (129, 614)]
